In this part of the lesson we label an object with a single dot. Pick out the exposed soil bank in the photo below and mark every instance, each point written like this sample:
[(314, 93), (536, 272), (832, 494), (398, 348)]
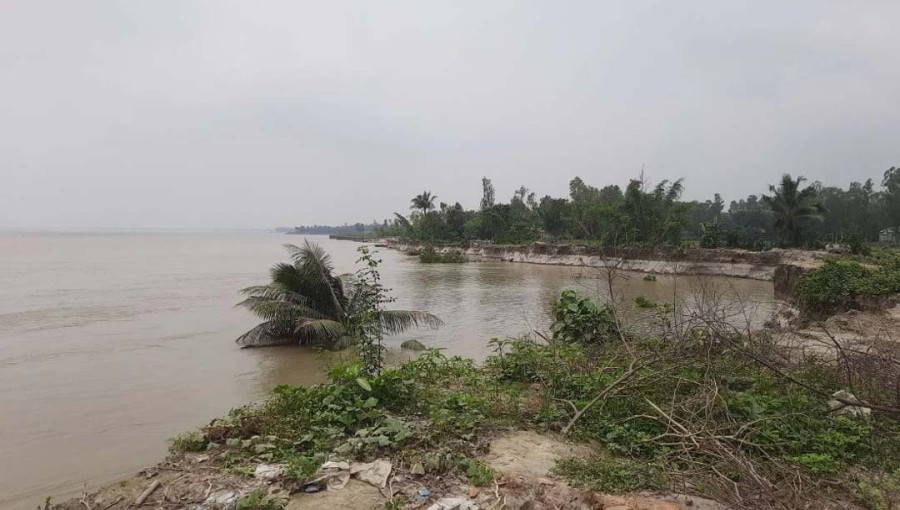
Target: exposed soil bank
[(782, 267), (522, 460)]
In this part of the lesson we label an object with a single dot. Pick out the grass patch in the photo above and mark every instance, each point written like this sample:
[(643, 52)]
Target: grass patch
[(262, 500), (840, 283), (188, 442), (479, 473), (612, 476)]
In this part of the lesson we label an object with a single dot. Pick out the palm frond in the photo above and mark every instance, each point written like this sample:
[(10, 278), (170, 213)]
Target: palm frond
[(271, 332), (398, 321), (403, 221), (315, 264), (309, 251), (267, 309), (319, 330)]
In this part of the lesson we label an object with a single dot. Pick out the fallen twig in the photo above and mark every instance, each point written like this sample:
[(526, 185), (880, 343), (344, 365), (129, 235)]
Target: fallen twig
[(147, 492), (117, 500)]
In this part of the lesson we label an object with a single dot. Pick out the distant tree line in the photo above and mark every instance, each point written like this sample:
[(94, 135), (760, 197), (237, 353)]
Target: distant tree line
[(792, 213), (356, 228)]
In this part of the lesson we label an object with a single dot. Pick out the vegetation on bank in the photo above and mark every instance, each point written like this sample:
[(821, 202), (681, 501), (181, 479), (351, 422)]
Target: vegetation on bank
[(698, 407), (305, 303), (355, 230), (847, 282), (429, 255), (792, 214)]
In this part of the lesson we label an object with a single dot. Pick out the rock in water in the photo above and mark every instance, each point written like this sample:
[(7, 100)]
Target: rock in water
[(413, 345)]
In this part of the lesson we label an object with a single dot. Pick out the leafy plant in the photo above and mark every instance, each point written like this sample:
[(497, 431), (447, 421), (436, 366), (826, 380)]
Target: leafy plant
[(838, 283), (395, 504), (188, 442), (306, 303), (643, 302), (582, 320), (613, 476), (478, 473), (712, 235), (371, 296), (429, 255), (302, 467), (817, 463), (259, 499)]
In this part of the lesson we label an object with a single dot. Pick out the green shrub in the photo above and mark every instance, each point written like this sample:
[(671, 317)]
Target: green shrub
[(188, 442), (857, 245), (259, 499), (817, 463), (478, 473), (612, 476), (429, 255), (835, 285), (582, 320), (879, 492), (643, 302), (302, 467)]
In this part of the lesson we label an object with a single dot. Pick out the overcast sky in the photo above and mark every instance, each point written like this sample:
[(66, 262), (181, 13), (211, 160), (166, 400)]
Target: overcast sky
[(262, 113)]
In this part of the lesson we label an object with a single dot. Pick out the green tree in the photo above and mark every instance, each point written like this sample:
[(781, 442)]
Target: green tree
[(794, 209), (891, 184), (579, 191), (487, 193), (611, 195), (305, 303), (423, 202), (455, 220), (657, 216), (552, 213), (751, 222)]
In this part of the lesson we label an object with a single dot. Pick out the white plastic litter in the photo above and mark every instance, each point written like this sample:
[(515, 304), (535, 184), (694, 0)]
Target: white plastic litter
[(454, 504)]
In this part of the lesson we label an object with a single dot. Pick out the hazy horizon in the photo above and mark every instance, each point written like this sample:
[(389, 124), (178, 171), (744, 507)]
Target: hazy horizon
[(230, 115)]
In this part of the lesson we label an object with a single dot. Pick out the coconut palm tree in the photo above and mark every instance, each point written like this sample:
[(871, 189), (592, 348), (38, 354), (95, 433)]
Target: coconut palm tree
[(794, 208), (305, 303), (424, 201)]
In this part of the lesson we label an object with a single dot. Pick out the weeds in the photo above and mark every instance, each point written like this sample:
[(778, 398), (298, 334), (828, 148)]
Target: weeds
[(478, 473), (262, 500), (643, 302), (840, 284), (429, 255), (188, 442), (582, 320), (612, 476)]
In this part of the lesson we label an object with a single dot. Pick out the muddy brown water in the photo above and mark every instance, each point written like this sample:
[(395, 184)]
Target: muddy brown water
[(110, 343)]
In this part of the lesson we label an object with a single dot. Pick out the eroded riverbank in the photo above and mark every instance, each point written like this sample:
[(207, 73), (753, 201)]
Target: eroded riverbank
[(733, 263)]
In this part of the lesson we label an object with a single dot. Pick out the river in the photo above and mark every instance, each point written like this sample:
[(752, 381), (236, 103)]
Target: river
[(110, 343)]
